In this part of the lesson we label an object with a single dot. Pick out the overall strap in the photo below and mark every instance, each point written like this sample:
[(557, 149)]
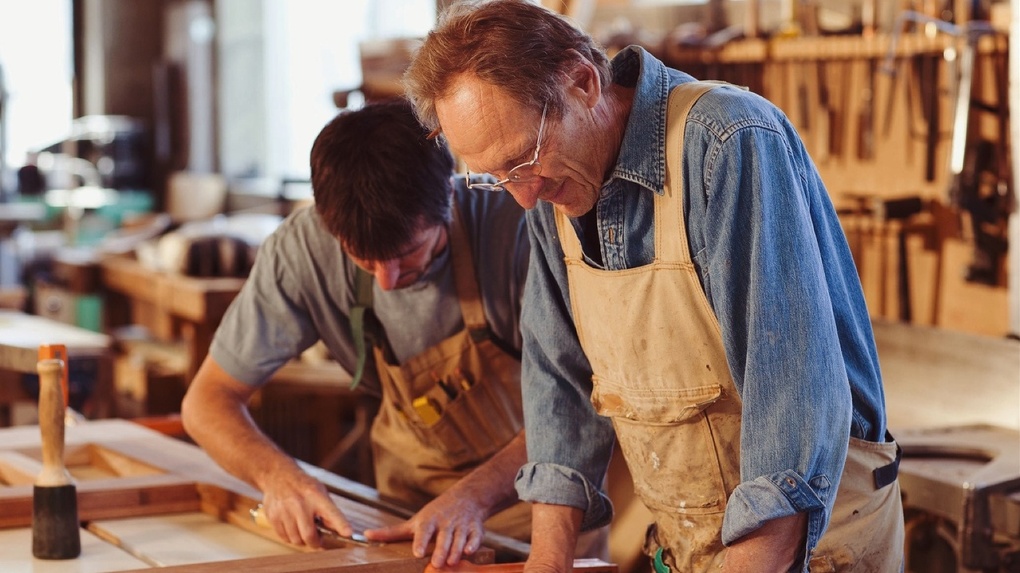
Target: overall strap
[(465, 280), (364, 324), (669, 245), (464, 274)]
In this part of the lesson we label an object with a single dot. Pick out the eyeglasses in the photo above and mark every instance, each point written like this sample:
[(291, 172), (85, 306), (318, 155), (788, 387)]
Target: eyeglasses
[(523, 173)]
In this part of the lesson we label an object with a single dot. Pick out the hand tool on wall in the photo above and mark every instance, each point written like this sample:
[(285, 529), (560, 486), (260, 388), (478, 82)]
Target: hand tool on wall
[(751, 19), (961, 119), (823, 126), (891, 68), (837, 106), (55, 528), (585, 565), (927, 70), (866, 115), (803, 100)]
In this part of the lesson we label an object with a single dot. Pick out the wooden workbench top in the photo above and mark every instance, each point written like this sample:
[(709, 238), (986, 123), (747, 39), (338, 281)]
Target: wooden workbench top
[(147, 500), (21, 335)]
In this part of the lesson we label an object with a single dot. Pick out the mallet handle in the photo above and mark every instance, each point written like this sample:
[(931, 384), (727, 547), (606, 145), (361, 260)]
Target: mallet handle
[(51, 423)]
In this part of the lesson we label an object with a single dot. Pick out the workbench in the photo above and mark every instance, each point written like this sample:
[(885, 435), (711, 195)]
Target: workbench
[(148, 500), (171, 305), (952, 401), (22, 334)]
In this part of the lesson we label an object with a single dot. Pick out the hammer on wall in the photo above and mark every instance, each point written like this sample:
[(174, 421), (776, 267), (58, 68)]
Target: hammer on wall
[(55, 528)]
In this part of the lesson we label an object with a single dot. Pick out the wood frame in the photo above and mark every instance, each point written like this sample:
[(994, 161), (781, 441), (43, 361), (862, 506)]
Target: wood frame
[(171, 476)]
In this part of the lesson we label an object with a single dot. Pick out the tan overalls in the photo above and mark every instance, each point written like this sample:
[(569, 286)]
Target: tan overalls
[(660, 372), (449, 408)]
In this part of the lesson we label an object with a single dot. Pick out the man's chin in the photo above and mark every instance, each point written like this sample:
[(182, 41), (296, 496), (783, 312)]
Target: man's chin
[(573, 209), (570, 204)]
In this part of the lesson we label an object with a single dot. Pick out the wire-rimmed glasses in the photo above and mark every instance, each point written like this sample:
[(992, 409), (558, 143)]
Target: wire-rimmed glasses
[(523, 173)]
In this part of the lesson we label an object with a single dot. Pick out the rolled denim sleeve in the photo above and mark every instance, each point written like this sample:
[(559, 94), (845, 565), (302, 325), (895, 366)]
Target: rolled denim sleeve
[(762, 232), (569, 444)]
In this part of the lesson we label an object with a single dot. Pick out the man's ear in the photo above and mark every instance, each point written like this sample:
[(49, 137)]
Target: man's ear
[(584, 80)]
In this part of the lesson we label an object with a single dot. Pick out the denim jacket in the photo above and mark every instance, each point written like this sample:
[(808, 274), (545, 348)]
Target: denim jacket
[(776, 268)]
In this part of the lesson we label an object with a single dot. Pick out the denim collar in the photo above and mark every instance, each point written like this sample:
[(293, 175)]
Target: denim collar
[(642, 157)]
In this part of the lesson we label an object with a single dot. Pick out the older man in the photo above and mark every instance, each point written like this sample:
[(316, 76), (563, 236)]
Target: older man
[(689, 287)]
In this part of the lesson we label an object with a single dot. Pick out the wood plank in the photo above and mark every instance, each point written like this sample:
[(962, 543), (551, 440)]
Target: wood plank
[(185, 538), (580, 565), (354, 560), (108, 499), (361, 493), (138, 443), (96, 556), (118, 464), (21, 335), (18, 469), (223, 531), (192, 494)]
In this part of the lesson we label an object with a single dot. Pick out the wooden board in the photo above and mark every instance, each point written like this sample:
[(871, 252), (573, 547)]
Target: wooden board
[(166, 502), (96, 555), (26, 331), (137, 443), (365, 560), (185, 538), (214, 527)]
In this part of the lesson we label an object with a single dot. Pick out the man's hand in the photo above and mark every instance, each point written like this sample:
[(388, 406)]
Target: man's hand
[(291, 502), (456, 523), (456, 518), (215, 414)]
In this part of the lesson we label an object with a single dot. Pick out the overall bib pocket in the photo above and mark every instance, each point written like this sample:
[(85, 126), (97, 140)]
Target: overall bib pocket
[(475, 421), (667, 439)]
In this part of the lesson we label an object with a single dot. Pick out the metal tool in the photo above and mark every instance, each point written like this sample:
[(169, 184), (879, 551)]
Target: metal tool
[(55, 528), (329, 536)]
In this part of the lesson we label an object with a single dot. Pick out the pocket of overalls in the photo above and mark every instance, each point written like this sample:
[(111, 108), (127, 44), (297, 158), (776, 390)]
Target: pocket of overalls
[(669, 443), (474, 423)]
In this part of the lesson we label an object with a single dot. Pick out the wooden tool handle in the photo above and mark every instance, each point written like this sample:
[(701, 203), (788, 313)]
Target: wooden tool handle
[(51, 424), (59, 352)]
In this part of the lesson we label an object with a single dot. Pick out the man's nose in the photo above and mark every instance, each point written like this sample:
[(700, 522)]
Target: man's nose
[(386, 274), (526, 193)]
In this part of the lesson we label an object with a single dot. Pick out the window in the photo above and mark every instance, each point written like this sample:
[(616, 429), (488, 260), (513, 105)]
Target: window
[(35, 76), (280, 62)]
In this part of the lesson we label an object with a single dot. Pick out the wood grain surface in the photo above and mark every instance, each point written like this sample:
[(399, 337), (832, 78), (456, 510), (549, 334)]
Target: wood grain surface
[(96, 555), (156, 501)]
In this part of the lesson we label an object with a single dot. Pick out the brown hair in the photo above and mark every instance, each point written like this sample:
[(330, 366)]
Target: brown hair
[(510, 43), (377, 179)]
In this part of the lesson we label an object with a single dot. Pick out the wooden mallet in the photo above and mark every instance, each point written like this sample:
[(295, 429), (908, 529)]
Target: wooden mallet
[(55, 527)]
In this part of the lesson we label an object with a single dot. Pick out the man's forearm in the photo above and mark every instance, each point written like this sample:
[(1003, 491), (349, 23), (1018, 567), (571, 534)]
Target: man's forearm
[(772, 547), (554, 531), (217, 417), (492, 483)]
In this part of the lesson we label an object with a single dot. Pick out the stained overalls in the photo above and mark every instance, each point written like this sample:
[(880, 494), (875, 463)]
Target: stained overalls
[(449, 408), (660, 373)]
